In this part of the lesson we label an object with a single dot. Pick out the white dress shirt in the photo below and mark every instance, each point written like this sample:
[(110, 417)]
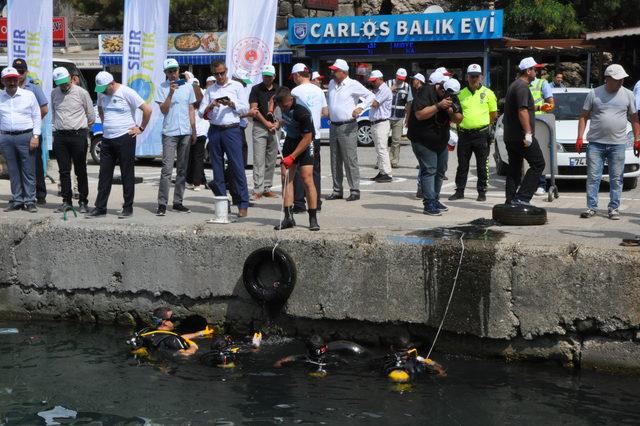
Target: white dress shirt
[(384, 97), (225, 115), (19, 112), (343, 98)]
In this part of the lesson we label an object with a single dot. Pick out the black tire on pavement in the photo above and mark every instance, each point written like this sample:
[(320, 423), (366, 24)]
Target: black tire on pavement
[(94, 150), (519, 215), (629, 183), (269, 275)]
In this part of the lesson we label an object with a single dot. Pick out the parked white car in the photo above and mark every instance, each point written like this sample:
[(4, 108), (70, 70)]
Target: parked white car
[(571, 165)]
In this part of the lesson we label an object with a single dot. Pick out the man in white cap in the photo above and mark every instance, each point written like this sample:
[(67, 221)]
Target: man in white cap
[(347, 99), (20, 123), (72, 117), (317, 79), (211, 80), (480, 109), (608, 107), (433, 109), (117, 105), (312, 97), (519, 127), (195, 170), (265, 134), (400, 110), (380, 125), (176, 99)]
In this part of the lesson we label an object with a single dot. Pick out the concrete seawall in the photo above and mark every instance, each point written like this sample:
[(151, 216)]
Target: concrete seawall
[(515, 298)]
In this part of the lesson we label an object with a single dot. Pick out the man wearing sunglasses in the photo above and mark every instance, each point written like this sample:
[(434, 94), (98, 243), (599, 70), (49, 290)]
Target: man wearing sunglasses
[(27, 83), (164, 338)]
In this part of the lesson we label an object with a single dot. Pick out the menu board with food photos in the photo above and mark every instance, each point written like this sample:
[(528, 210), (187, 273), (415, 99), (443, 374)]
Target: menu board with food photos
[(188, 43)]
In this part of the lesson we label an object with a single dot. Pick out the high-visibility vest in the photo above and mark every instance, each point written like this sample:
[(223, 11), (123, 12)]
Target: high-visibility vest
[(536, 92)]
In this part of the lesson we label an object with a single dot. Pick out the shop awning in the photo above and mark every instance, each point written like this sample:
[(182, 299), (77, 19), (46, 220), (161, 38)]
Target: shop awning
[(279, 57)]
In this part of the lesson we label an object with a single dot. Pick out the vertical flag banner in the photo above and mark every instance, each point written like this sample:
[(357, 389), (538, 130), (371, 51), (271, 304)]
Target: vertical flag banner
[(30, 37), (251, 30), (146, 27)]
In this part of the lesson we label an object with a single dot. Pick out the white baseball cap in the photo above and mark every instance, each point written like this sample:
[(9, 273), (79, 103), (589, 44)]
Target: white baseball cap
[(452, 86), (315, 75), (419, 77), (474, 69), (269, 70), (103, 79), (401, 74), (195, 80), (10, 72), (340, 64), (444, 71), (616, 72), (299, 67), (170, 63), (61, 76), (375, 74), (211, 78), (529, 62), (242, 75), (437, 77)]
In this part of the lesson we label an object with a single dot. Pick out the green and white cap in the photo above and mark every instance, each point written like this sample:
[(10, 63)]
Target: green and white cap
[(269, 70), (61, 76), (103, 79)]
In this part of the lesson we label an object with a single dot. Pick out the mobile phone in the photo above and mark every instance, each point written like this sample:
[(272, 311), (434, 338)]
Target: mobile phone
[(180, 82), (223, 99)]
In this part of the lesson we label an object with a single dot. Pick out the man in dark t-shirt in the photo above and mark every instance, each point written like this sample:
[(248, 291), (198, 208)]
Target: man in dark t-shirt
[(519, 128), (297, 152), (433, 110)]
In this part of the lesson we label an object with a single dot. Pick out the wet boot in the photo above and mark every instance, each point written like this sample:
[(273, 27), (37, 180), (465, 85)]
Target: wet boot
[(313, 220), (288, 221)]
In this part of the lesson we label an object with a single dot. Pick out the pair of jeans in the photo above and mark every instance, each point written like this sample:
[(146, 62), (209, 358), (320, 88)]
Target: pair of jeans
[(173, 146), (123, 150), (433, 166), (195, 170), (343, 145), (298, 186), (228, 141), (21, 162), (517, 187), (265, 153), (614, 154), (473, 143), (70, 147)]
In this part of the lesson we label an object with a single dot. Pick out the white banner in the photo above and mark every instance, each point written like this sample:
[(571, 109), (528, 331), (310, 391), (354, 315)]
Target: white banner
[(251, 30), (146, 27), (30, 37)]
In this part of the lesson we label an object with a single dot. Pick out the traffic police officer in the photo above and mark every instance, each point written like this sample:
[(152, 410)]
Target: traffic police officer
[(400, 109), (479, 109)]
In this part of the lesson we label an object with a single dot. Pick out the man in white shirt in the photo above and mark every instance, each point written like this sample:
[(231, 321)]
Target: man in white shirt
[(117, 105), (347, 99), (636, 94), (380, 125), (20, 123), (311, 96), (223, 104)]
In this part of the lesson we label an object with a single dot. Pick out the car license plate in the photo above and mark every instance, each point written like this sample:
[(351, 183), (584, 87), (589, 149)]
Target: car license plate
[(577, 161)]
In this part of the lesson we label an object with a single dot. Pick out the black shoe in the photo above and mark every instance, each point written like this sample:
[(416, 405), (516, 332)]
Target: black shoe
[(13, 207), (383, 178), (376, 176), (441, 206), (481, 197), (41, 201), (419, 193), (63, 208), (394, 166), (458, 195), (313, 224), (31, 208), (83, 208), (161, 211), (353, 197), (298, 209), (180, 208), (95, 213), (125, 213), (285, 224), (334, 197)]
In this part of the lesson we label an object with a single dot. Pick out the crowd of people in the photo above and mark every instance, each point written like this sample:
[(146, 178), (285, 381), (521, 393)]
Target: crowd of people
[(216, 116)]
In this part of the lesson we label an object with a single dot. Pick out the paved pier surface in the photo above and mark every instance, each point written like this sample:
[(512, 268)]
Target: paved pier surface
[(565, 290)]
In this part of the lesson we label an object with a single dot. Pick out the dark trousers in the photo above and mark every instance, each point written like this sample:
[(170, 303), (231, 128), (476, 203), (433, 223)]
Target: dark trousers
[(71, 147), (518, 187), (195, 169), (473, 143), (122, 149), (41, 187), (298, 185), (228, 176), (228, 141)]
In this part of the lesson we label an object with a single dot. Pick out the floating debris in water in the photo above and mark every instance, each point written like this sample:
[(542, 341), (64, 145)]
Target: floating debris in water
[(283, 406), (9, 331), (57, 412)]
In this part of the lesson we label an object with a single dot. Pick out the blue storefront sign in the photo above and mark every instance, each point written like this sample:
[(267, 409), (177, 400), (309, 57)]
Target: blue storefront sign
[(451, 26)]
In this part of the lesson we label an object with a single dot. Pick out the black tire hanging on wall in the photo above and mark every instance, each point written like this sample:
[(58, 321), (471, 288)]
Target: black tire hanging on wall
[(519, 215), (269, 276)]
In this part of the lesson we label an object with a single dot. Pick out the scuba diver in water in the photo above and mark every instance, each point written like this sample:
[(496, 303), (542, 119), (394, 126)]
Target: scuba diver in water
[(321, 355), (402, 364), (224, 352), (162, 339)]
